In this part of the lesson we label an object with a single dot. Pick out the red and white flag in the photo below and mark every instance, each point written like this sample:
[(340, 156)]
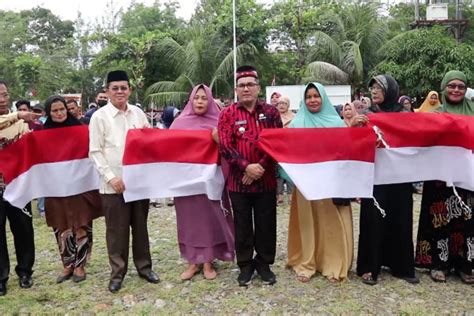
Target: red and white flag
[(424, 146), (324, 162), (49, 163), (171, 163)]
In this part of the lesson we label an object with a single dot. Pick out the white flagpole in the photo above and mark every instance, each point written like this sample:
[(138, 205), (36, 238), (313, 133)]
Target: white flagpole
[(235, 49)]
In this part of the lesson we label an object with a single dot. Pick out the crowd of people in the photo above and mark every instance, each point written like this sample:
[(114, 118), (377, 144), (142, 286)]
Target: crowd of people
[(242, 226)]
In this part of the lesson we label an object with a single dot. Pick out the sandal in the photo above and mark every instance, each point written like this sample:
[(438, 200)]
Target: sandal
[(368, 279), (209, 271), (302, 278), (466, 278), (191, 271), (333, 280), (438, 276)]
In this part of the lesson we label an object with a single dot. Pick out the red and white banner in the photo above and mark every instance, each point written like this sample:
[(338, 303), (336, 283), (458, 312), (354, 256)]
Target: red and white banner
[(322, 162), (325, 162), (424, 146), (49, 163), (171, 163)]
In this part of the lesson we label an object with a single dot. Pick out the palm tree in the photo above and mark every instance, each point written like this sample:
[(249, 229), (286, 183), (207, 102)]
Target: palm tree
[(346, 50), (204, 59)]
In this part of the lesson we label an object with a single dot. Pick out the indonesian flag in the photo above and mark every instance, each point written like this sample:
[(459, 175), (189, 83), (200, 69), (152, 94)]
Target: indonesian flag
[(171, 163), (424, 146), (470, 170), (325, 162), (48, 163)]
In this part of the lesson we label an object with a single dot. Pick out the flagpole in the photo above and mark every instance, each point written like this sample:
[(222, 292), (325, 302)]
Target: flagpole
[(235, 49)]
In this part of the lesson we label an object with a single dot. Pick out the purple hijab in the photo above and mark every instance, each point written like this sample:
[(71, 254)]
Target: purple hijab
[(189, 120)]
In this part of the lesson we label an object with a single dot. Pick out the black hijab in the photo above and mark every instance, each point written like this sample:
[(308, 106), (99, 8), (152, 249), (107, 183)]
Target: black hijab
[(70, 120), (390, 91)]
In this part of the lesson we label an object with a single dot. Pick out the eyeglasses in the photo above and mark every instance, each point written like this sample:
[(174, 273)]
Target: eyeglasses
[(121, 88), (375, 88), (58, 110), (248, 85), (5, 95), (453, 86)]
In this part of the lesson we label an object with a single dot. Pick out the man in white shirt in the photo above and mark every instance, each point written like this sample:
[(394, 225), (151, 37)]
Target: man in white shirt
[(107, 132)]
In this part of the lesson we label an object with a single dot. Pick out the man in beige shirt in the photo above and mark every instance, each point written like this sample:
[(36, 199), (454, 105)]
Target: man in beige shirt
[(107, 132), (12, 127)]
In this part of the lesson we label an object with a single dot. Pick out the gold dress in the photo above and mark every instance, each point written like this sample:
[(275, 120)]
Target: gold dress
[(320, 238)]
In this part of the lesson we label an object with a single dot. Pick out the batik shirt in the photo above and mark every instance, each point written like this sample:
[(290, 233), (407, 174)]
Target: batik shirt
[(239, 132)]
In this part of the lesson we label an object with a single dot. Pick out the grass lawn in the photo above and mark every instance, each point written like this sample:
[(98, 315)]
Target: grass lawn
[(223, 295)]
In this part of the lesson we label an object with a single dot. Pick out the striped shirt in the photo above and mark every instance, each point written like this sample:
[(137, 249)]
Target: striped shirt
[(238, 135)]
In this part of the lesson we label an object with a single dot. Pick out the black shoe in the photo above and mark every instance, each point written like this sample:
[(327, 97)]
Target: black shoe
[(245, 275), (412, 280), (3, 288), (151, 277), (26, 281), (115, 286), (267, 276)]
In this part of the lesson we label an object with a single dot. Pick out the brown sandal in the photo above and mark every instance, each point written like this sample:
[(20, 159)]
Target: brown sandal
[(191, 271), (302, 278), (333, 280)]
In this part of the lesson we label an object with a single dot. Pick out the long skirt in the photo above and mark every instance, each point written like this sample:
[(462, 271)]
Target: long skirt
[(446, 230), (71, 219), (387, 241), (75, 246), (205, 229), (320, 238)]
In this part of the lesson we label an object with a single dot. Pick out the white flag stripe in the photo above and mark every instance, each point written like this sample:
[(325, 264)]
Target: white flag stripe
[(332, 179), (412, 164), (168, 179), (468, 185), (56, 179)]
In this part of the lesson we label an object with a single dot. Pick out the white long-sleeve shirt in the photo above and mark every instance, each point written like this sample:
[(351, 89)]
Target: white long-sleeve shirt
[(107, 132)]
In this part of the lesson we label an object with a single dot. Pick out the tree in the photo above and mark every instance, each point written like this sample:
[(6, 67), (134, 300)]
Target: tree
[(251, 21), (344, 51), (27, 72), (418, 59), (45, 30), (206, 58)]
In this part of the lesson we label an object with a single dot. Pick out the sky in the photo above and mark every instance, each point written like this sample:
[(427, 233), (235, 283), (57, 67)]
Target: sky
[(92, 9)]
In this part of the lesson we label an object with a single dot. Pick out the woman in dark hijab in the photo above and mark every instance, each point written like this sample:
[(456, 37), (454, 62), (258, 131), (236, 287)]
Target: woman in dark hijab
[(387, 241), (406, 102), (446, 228), (70, 217)]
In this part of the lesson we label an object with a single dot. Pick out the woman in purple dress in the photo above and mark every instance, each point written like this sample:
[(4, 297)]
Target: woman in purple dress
[(205, 230)]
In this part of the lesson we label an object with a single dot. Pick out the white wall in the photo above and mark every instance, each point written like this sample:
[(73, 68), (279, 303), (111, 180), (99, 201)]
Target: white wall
[(338, 94)]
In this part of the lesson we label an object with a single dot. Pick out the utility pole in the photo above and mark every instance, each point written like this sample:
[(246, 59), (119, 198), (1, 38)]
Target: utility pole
[(417, 10), (457, 29)]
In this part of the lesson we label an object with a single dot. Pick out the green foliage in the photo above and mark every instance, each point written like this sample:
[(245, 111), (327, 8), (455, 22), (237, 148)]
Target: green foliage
[(251, 21), (140, 19), (294, 41), (46, 30), (419, 59), (204, 59), (27, 70), (345, 49)]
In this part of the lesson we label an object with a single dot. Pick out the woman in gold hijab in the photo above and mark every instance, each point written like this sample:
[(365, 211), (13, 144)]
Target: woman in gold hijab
[(431, 103)]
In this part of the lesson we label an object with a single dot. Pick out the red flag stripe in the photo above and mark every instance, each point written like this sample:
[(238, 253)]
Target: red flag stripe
[(153, 145), (47, 146), (425, 129), (312, 145)]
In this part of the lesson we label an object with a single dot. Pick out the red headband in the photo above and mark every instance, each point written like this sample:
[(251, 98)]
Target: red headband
[(248, 73)]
